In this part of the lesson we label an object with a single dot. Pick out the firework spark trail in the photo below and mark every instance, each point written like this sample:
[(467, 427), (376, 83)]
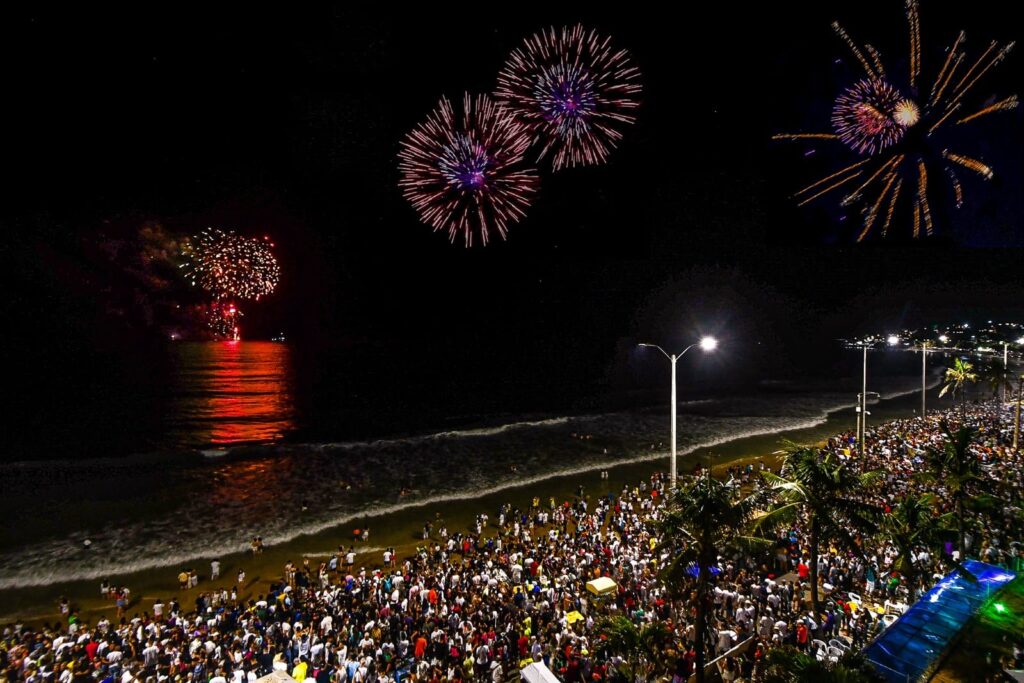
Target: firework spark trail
[(957, 190), (945, 65), (915, 42), (1003, 105), (228, 265), (573, 91), (922, 196), (828, 189), (892, 207), (977, 63), (467, 175), (841, 32), (935, 126), (805, 136), (949, 77), (1000, 56), (873, 118), (978, 167), (876, 60), (881, 169), (830, 177), (869, 220)]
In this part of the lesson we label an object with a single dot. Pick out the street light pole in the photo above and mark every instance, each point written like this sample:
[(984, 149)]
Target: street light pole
[(1002, 384), (707, 344), (1016, 416), (863, 406), (924, 370), (672, 466)]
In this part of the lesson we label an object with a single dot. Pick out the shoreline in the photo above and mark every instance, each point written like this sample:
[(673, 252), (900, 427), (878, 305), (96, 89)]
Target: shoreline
[(401, 528)]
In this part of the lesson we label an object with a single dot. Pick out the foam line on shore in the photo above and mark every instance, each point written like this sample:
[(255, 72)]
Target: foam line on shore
[(35, 577)]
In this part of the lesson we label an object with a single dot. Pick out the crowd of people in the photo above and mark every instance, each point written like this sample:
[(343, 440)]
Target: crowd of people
[(481, 603)]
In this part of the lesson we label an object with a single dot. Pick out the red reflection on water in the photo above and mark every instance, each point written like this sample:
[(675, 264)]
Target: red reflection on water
[(240, 391)]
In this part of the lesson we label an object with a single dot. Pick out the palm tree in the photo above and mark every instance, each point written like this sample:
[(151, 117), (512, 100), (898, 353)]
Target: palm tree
[(911, 525), (998, 379), (642, 648), (704, 519), (822, 489), (786, 664), (958, 471), (957, 377)]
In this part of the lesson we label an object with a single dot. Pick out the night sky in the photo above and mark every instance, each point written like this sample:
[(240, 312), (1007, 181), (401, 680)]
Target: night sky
[(287, 123)]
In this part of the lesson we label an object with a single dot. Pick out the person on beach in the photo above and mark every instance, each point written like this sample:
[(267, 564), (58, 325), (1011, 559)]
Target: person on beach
[(214, 570), (241, 578)]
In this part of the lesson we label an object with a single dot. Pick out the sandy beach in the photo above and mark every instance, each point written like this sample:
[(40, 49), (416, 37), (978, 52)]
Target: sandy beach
[(403, 530)]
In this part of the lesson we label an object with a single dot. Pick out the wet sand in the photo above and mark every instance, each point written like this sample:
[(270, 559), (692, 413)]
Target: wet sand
[(403, 529)]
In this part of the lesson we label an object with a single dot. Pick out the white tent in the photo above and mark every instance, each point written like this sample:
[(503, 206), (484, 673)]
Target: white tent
[(601, 586), (538, 673), (276, 677)]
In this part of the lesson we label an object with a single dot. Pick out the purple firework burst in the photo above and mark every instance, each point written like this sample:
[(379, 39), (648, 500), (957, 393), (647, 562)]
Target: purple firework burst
[(467, 174), (871, 116), (574, 91)]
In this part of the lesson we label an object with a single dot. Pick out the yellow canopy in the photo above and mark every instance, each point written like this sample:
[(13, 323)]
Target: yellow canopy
[(573, 616), (601, 586)]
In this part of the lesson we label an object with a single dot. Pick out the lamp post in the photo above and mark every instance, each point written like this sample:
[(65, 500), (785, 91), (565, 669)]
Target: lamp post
[(924, 378), (706, 344), (863, 405), (1006, 345), (1016, 414)]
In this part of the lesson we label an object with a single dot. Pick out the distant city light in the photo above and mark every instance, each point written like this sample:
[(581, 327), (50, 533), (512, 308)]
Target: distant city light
[(943, 338), (893, 340)]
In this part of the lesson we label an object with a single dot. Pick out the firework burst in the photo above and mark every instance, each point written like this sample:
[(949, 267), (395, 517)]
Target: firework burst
[(466, 174), (222, 318), (865, 117), (897, 130), (574, 91), (229, 266)]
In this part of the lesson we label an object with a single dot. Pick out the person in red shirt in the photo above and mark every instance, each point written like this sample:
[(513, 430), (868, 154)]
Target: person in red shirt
[(421, 647), (90, 649), (803, 570), (801, 636)]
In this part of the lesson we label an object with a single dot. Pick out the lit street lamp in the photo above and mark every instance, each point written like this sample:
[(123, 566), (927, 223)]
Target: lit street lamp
[(706, 344)]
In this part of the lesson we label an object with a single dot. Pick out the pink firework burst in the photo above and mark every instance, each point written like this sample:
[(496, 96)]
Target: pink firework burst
[(466, 174), (574, 91), (865, 116)]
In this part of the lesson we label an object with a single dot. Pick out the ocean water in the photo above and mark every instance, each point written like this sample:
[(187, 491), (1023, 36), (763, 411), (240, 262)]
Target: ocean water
[(240, 477)]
